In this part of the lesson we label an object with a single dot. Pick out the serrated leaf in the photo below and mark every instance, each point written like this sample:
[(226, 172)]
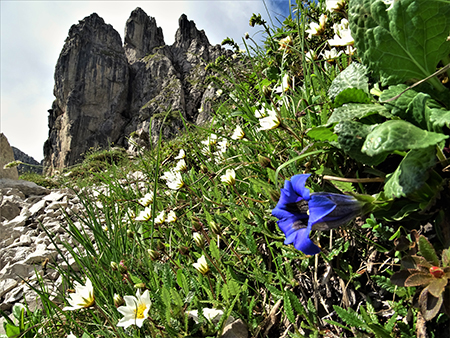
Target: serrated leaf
[(288, 308), (182, 281), (322, 133), (445, 258), (298, 307), (357, 111), (351, 138), (351, 95), (354, 76), (399, 135), (165, 296), (429, 305), (379, 331), (215, 252), (412, 262), (404, 43), (225, 293), (411, 173), (176, 297), (349, 317), (233, 287), (426, 249), (274, 291)]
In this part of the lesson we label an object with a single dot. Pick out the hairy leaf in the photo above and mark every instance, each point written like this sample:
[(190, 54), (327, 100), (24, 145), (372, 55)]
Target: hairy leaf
[(354, 76), (429, 305), (288, 308), (399, 135), (404, 43), (437, 286), (418, 279), (351, 95), (357, 111), (411, 174), (351, 137)]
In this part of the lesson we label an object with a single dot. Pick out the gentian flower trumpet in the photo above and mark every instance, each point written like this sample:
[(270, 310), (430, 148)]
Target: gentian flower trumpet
[(299, 211)]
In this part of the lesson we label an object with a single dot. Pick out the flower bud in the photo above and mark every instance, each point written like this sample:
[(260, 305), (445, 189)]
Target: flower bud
[(184, 250), (202, 265), (215, 228), (436, 271), (139, 286), (154, 255), (203, 168), (130, 234), (196, 224), (198, 239), (264, 162), (118, 300), (160, 245), (114, 266), (122, 267)]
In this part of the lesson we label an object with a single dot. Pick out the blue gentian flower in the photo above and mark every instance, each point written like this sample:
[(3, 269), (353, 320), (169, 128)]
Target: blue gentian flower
[(299, 211)]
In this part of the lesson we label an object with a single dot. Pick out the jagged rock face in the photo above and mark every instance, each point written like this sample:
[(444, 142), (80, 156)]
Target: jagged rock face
[(6, 156), (105, 92), (21, 156), (91, 88), (141, 35)]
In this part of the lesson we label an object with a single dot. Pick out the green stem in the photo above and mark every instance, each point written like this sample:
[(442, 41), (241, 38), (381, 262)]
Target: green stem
[(107, 319)]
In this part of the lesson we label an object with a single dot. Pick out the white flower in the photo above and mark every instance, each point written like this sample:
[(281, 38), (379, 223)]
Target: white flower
[(238, 134), (173, 179), (219, 92), (201, 265), (181, 165), (269, 122), (171, 217), (229, 177), (285, 83), (83, 296), (335, 5), (181, 155), (146, 200), (135, 310), (145, 214), (160, 218), (286, 43), (198, 239), (317, 28), (261, 113), (223, 145), (201, 109), (71, 335), (331, 54), (212, 315), (311, 55), (342, 34)]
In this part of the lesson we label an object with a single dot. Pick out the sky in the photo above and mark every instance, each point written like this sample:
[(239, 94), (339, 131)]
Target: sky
[(32, 35)]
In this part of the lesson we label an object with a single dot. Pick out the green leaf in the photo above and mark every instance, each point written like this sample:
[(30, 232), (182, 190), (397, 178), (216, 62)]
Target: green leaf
[(411, 174), (350, 95), (165, 296), (349, 317), (440, 117), (399, 135), (404, 43), (288, 308), (351, 137), (182, 281), (426, 249), (445, 258), (322, 133), (418, 279), (354, 76), (176, 297), (215, 252), (357, 111), (379, 331), (298, 307)]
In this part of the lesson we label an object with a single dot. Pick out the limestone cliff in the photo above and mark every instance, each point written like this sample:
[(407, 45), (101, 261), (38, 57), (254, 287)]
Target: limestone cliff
[(105, 90)]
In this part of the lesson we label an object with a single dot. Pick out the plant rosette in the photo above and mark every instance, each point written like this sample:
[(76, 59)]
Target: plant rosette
[(430, 275)]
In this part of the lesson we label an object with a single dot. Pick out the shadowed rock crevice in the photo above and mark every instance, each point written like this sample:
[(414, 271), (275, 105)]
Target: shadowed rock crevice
[(106, 91)]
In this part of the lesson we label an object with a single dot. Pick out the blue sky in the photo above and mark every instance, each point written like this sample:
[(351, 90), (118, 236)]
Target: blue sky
[(33, 33)]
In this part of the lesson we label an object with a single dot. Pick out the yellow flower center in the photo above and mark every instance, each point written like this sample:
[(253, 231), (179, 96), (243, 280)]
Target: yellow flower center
[(139, 312)]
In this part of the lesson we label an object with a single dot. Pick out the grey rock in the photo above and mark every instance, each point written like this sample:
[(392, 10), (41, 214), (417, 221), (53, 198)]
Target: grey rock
[(22, 169), (26, 187), (236, 329), (8, 210), (6, 156), (7, 285)]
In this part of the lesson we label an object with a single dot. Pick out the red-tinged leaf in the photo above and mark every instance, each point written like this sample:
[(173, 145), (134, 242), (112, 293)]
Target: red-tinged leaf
[(446, 258), (429, 305), (418, 279), (437, 286), (427, 251), (400, 277), (412, 262), (436, 271)]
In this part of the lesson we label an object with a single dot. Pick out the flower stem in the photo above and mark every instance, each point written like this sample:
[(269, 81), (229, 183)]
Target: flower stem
[(107, 319)]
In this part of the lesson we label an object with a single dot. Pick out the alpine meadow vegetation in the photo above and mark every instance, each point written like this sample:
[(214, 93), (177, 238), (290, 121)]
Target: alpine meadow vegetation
[(315, 204)]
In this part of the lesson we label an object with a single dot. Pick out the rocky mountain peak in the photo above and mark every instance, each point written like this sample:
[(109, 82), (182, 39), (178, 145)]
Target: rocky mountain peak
[(187, 32), (141, 35)]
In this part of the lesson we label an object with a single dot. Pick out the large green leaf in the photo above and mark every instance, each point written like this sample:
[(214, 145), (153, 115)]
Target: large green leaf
[(357, 111), (399, 135), (351, 95), (440, 117), (406, 42), (351, 136), (354, 76), (411, 174)]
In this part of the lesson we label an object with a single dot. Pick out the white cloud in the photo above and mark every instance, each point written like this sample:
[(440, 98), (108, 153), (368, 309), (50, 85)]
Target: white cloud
[(33, 34)]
